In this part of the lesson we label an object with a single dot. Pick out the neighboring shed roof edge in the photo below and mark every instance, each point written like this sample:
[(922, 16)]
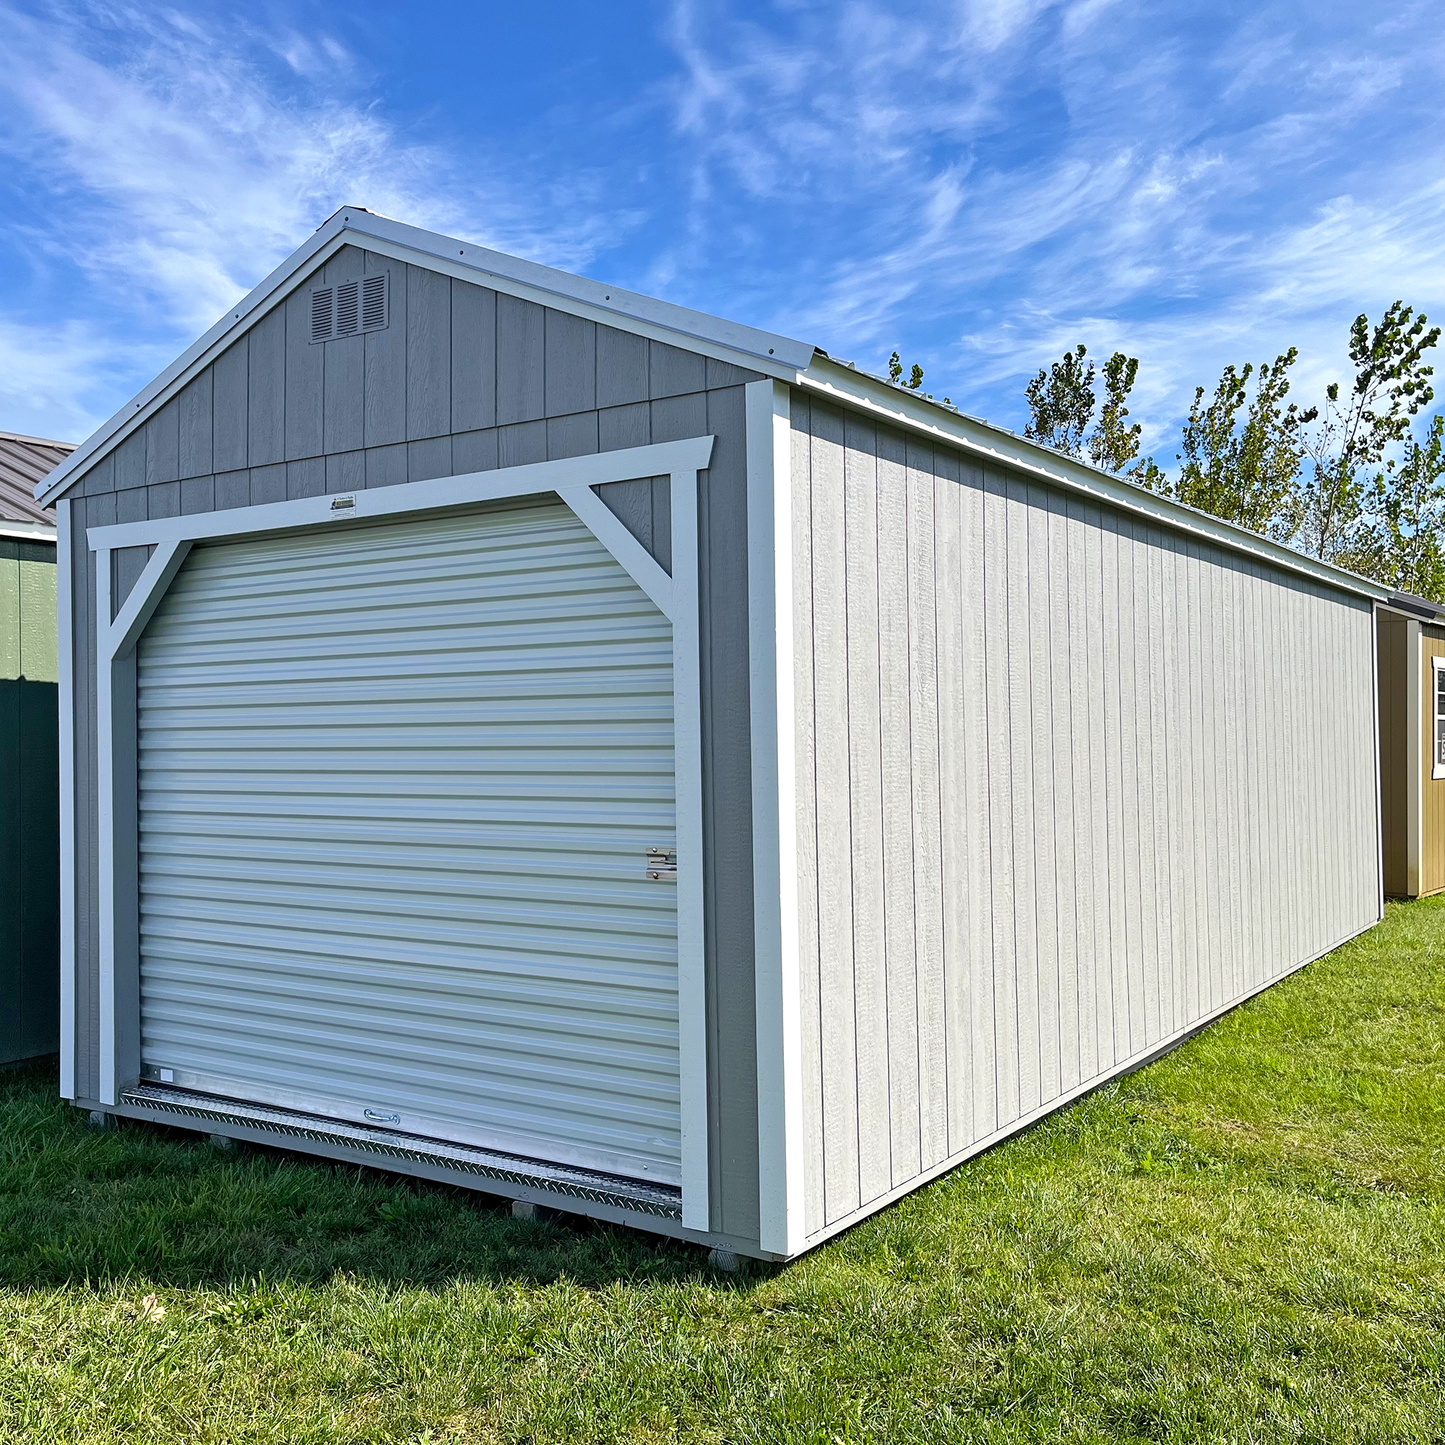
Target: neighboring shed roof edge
[(27, 531), (1412, 606), (763, 351), (25, 464), (847, 386)]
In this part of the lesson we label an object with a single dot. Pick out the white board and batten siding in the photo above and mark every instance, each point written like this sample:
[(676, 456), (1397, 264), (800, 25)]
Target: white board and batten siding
[(1068, 783), (397, 787)]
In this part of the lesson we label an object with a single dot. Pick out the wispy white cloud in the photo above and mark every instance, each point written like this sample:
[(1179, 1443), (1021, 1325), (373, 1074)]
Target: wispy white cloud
[(174, 160), (988, 183), (57, 379), (980, 182)]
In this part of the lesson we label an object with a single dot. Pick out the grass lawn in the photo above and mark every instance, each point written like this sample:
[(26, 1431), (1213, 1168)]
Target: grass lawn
[(1245, 1241)]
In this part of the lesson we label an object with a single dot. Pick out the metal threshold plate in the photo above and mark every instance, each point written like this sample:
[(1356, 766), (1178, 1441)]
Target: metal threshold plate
[(633, 1194)]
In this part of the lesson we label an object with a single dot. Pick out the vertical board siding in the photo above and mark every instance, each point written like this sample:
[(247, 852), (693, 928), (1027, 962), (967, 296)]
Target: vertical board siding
[(428, 354), (266, 390), (194, 439), (839, 992), (304, 379), (927, 862), (343, 366), (464, 379), (1059, 795), (861, 505), (810, 954), (896, 778)]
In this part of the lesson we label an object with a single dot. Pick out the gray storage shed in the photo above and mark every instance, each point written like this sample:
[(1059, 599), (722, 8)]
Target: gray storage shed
[(524, 733)]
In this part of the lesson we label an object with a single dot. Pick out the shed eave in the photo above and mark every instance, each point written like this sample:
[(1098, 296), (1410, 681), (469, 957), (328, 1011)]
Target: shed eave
[(846, 386), (28, 531), (761, 350), (1406, 604)]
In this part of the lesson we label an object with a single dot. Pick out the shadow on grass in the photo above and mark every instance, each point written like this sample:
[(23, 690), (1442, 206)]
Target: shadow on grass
[(163, 1204)]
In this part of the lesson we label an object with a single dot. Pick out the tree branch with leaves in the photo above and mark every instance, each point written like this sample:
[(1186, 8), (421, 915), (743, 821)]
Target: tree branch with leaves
[(1246, 471), (1391, 386), (1062, 399)]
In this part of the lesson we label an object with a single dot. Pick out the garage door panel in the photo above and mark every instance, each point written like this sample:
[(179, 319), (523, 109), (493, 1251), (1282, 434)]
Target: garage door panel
[(557, 953), (327, 650), (506, 1052), (511, 1042), (348, 604), (489, 943), (397, 785), (530, 928), (594, 880), (646, 1015)]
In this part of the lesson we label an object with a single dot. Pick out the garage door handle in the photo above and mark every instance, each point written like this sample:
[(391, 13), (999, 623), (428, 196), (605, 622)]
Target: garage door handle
[(662, 865)]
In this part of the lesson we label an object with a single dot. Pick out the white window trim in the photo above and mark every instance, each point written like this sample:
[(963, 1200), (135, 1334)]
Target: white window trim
[(572, 479), (1437, 768)]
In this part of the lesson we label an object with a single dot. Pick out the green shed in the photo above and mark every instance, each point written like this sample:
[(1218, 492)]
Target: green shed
[(29, 754)]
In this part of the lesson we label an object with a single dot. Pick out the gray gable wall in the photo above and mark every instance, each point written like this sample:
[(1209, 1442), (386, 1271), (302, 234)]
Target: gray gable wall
[(464, 379)]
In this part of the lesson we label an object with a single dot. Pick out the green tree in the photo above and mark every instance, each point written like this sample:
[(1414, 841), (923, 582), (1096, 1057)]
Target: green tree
[(1241, 455), (895, 374), (1391, 385), (1405, 548), (1114, 443), (1061, 403)]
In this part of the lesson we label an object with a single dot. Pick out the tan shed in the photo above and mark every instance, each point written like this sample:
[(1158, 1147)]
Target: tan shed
[(1411, 650)]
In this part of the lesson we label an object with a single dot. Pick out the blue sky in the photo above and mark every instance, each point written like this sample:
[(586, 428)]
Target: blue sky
[(980, 184)]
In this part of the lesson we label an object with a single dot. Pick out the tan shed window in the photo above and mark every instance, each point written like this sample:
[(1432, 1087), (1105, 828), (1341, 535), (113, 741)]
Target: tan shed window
[(1438, 670)]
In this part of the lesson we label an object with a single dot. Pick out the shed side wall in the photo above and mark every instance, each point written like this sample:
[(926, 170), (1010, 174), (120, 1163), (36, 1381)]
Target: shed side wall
[(462, 380), (1432, 789), (29, 790), (1075, 783), (1394, 762)]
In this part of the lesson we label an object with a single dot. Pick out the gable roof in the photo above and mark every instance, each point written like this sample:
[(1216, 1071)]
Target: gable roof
[(795, 362), (25, 462), (354, 225)]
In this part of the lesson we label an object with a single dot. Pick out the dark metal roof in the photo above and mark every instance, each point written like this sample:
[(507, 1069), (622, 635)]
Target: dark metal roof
[(1421, 606), (23, 462)]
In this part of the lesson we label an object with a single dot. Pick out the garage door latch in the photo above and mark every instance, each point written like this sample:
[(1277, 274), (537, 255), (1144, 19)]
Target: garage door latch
[(662, 865)]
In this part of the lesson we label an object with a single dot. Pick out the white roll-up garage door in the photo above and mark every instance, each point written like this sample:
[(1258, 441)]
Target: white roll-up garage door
[(398, 784)]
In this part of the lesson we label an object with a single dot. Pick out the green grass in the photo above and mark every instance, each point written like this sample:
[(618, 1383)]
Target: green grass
[(1245, 1241)]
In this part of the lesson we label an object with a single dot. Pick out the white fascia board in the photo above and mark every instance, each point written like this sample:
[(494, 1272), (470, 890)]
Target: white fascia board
[(610, 305), (28, 531), (849, 388)]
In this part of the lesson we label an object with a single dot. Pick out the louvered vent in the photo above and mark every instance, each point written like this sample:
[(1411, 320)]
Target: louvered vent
[(323, 317), (373, 303), (349, 308)]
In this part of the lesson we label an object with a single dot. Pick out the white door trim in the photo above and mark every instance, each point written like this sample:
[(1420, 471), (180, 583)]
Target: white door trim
[(572, 480)]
